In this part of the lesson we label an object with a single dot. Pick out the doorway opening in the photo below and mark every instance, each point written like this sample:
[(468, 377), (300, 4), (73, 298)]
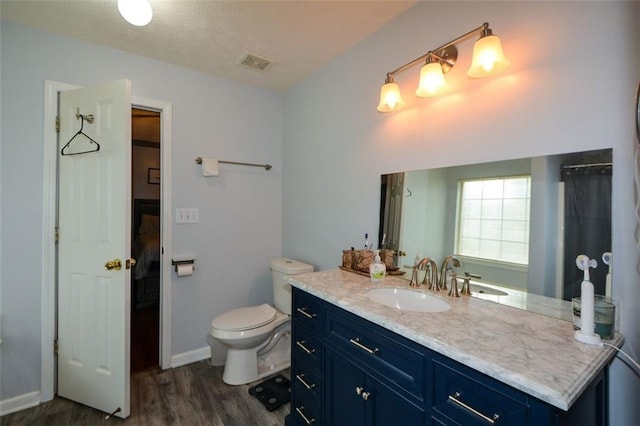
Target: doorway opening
[(145, 238)]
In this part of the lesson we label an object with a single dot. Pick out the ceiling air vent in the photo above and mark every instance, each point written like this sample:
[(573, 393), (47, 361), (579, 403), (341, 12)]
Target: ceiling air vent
[(256, 62)]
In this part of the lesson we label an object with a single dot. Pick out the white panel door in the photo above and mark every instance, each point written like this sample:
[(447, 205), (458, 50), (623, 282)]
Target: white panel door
[(392, 221), (95, 228)]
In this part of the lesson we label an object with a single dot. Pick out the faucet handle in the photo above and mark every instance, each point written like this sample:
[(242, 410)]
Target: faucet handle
[(453, 291), (466, 290), (466, 287), (414, 277)]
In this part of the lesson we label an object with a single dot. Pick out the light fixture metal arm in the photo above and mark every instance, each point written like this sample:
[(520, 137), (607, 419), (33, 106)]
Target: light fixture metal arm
[(482, 29)]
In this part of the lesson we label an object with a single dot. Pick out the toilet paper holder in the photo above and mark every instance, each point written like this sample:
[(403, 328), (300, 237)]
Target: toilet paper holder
[(177, 262)]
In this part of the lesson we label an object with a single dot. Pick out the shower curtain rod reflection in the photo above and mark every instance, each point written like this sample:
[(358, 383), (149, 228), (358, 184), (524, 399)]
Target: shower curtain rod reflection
[(582, 166), (266, 166)]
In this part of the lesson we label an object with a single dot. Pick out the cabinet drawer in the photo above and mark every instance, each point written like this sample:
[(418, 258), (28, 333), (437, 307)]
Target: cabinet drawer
[(307, 381), (394, 358), (307, 310), (305, 410), (306, 347), (470, 398)]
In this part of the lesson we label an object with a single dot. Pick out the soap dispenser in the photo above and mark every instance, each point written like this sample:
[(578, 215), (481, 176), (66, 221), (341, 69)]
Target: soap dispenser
[(377, 270)]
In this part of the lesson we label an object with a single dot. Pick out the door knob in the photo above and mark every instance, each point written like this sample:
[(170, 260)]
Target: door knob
[(113, 264), (130, 263)]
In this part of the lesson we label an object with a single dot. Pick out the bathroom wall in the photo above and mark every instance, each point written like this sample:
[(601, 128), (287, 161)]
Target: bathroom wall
[(563, 93), (240, 211)]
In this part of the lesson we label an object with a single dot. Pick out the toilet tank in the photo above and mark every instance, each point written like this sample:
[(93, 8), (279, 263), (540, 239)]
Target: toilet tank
[(281, 269)]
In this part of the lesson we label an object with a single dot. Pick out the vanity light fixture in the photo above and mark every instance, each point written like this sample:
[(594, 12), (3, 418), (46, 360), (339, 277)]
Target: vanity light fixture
[(488, 59), (136, 12)]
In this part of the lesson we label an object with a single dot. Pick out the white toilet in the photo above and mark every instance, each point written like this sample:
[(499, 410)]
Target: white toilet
[(257, 338)]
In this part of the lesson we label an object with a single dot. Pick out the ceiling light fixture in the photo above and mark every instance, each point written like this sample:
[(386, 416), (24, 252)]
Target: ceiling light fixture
[(136, 12), (488, 59)]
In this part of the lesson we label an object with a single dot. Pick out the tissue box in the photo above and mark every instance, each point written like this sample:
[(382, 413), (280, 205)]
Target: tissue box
[(361, 259)]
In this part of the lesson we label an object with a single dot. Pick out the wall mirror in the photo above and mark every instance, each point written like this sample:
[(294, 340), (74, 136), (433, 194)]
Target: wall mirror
[(518, 224)]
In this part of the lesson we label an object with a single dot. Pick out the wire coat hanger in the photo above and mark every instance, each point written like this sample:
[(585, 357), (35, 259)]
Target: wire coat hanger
[(81, 117)]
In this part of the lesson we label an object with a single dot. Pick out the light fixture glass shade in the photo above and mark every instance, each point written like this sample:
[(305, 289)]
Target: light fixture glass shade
[(488, 58), (431, 80), (136, 12), (390, 98)]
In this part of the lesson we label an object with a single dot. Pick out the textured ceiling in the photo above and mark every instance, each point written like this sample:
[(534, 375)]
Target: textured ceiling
[(214, 36)]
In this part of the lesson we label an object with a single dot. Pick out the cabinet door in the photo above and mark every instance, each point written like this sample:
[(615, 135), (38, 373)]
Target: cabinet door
[(385, 407), (355, 398), (344, 406)]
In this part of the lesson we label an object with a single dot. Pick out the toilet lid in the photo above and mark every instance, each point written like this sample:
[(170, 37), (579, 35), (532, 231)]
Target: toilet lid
[(245, 318)]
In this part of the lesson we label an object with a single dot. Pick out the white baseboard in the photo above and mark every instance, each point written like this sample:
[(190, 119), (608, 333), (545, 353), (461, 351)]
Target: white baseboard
[(189, 357), (19, 402), (32, 399)]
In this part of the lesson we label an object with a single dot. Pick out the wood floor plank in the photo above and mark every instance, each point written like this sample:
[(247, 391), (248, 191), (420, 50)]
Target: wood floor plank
[(190, 395)]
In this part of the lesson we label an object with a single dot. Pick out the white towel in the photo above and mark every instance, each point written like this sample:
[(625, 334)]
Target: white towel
[(210, 167)]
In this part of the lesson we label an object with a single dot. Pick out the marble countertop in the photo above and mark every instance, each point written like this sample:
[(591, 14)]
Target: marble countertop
[(534, 353)]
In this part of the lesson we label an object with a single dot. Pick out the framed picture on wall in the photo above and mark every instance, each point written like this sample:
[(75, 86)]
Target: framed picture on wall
[(153, 176)]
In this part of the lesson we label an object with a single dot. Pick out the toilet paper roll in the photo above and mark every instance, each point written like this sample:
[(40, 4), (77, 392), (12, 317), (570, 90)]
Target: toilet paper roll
[(184, 269)]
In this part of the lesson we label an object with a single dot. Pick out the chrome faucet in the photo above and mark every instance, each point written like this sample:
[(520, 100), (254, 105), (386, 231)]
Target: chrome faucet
[(431, 276), (455, 262)]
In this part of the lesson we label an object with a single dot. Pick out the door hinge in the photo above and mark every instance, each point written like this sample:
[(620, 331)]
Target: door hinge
[(55, 347), (56, 235), (57, 124)]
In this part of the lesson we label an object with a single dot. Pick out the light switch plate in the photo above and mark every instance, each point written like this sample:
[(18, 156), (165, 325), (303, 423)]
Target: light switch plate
[(187, 215)]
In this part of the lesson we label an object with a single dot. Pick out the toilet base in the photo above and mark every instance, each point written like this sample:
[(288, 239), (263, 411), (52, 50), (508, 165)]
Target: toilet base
[(276, 359), (246, 366)]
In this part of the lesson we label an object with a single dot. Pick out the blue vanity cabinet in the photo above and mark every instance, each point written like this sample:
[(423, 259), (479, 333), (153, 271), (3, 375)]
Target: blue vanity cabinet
[(306, 360), (347, 370)]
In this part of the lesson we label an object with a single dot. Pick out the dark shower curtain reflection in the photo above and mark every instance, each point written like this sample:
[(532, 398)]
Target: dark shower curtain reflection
[(587, 227)]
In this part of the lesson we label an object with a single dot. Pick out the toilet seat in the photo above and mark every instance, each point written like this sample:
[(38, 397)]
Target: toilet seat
[(246, 318), (248, 333)]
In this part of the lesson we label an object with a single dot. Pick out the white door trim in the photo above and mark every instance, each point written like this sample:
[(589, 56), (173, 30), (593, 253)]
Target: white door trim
[(49, 206), (166, 213)]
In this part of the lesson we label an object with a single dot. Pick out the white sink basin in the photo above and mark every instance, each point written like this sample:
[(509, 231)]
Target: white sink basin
[(407, 300), (477, 288)]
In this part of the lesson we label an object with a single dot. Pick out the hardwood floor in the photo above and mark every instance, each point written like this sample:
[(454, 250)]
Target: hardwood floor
[(191, 395), (145, 338)]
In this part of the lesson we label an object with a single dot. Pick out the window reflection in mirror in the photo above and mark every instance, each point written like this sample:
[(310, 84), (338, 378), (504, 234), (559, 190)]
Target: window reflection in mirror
[(569, 213)]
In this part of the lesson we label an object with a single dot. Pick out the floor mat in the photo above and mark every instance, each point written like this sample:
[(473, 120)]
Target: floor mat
[(273, 392)]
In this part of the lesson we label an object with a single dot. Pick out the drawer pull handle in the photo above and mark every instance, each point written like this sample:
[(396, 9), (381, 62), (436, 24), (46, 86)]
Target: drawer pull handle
[(304, 348), (304, 382), (356, 342), (304, 312), (299, 410), (455, 398)]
